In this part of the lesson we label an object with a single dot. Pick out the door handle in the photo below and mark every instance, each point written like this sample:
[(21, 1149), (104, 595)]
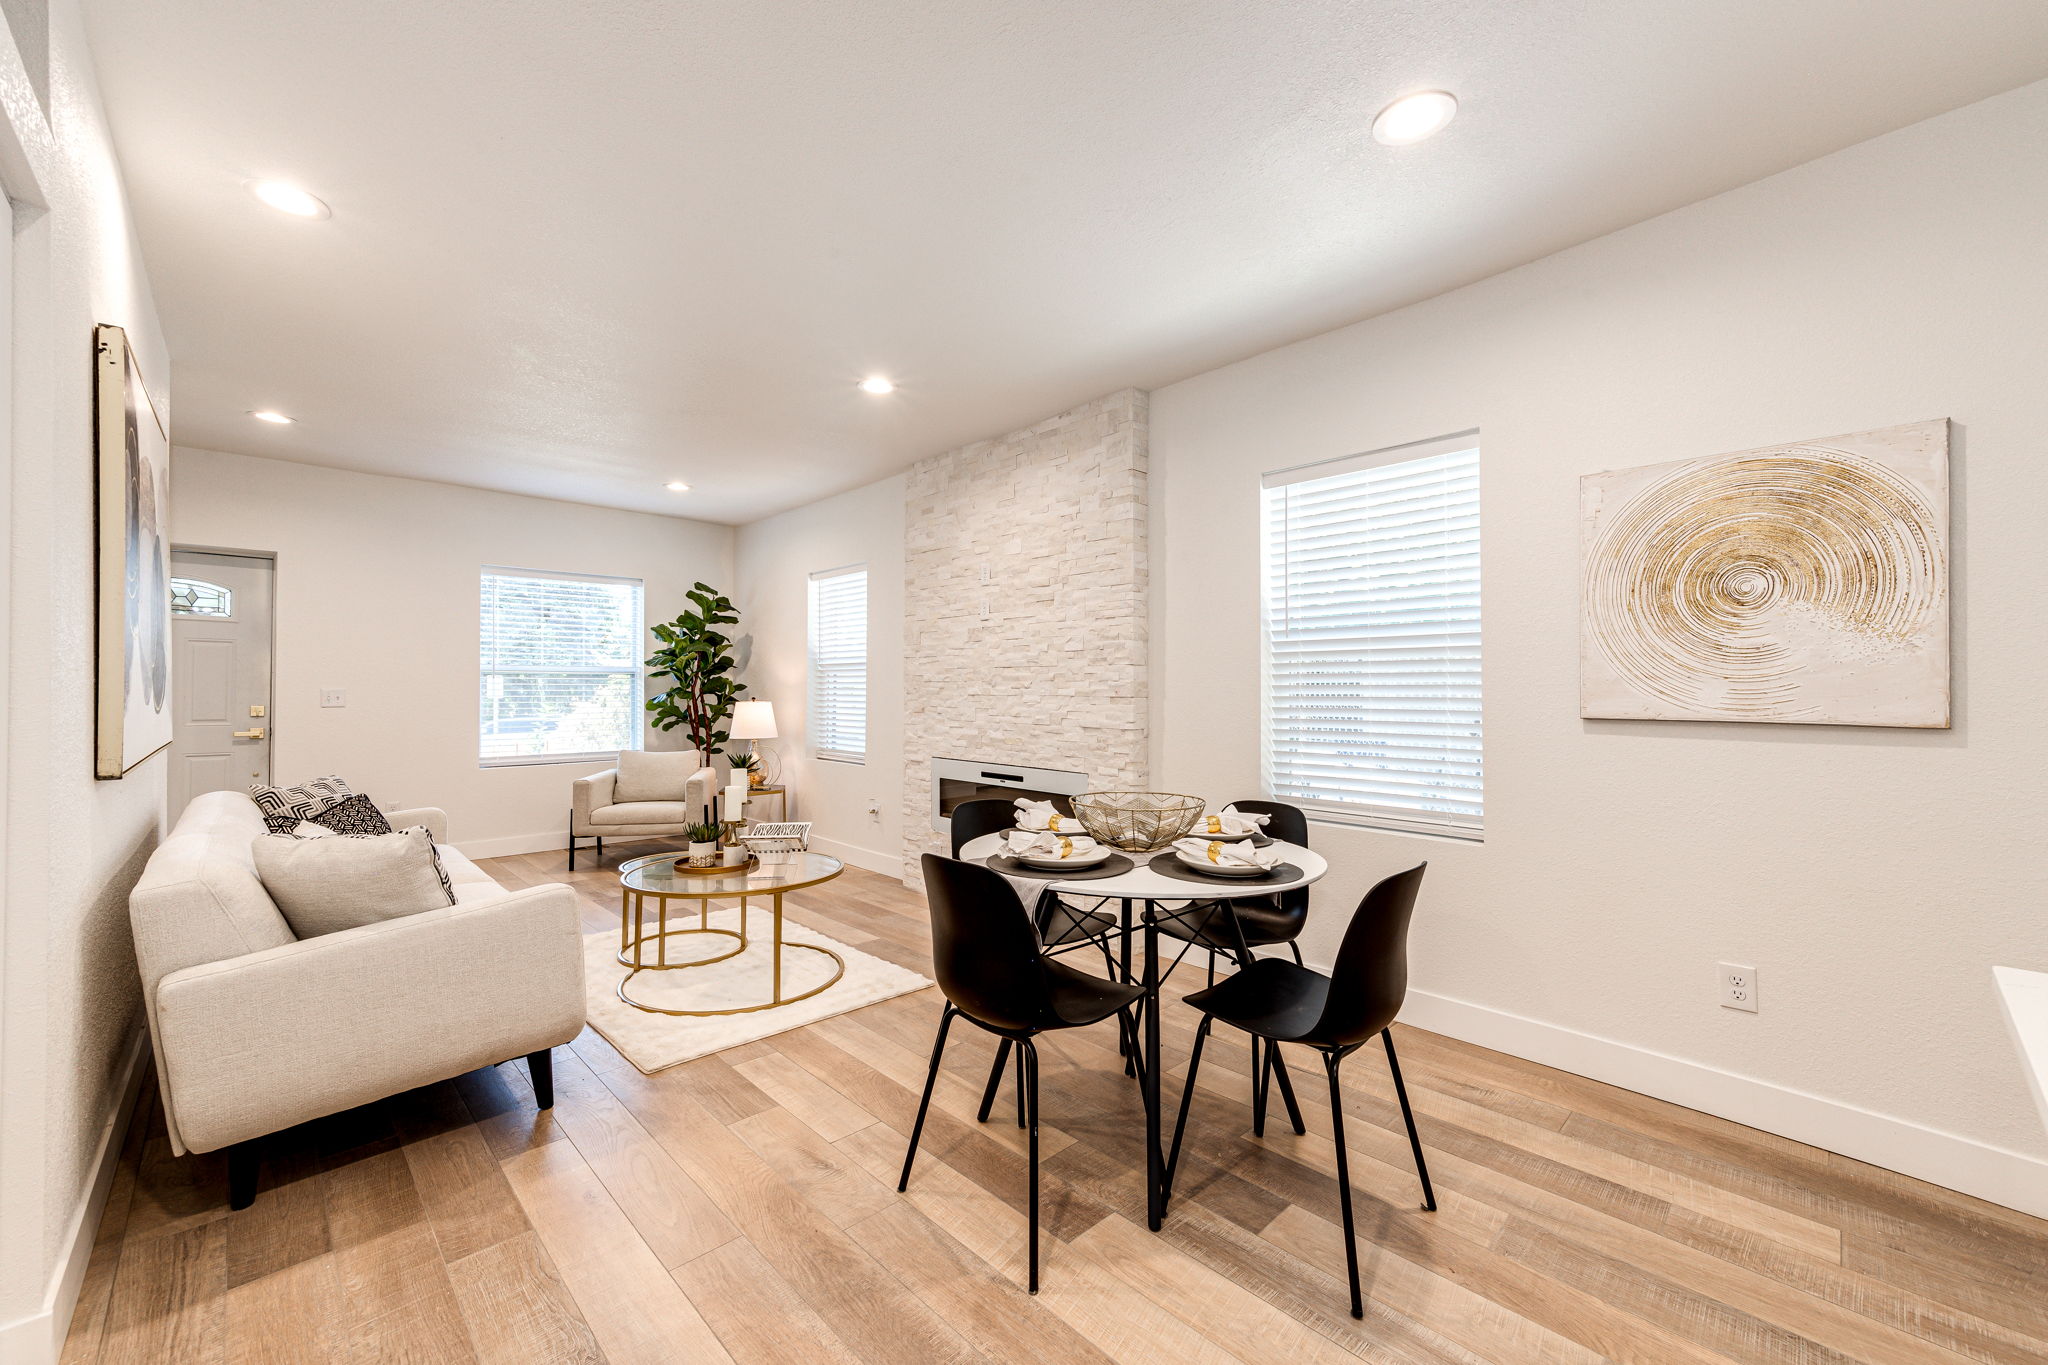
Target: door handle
[(256, 733)]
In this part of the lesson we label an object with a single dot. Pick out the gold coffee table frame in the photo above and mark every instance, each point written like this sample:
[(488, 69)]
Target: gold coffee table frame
[(655, 878)]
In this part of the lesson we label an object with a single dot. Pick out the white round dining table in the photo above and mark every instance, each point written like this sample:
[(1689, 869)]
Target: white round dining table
[(1139, 891)]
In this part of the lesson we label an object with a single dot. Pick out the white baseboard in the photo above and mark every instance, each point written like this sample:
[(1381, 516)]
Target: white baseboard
[(38, 1339), (854, 854), (2014, 1179), (551, 842)]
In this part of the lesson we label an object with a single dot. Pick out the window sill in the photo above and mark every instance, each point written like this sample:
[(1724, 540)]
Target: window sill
[(1381, 825), (549, 760), (850, 762)]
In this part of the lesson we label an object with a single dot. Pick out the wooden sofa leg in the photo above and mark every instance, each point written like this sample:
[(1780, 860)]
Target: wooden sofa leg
[(245, 1161), (540, 1067)]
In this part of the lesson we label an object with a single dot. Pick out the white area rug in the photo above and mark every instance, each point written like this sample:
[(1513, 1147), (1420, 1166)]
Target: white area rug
[(655, 1042)]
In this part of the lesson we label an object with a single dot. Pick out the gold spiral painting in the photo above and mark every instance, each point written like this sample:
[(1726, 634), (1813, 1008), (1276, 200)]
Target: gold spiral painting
[(1804, 583)]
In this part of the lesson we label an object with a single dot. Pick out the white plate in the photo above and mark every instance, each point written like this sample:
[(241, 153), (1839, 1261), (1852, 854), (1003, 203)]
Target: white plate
[(1100, 855), (1219, 838), (1203, 865)]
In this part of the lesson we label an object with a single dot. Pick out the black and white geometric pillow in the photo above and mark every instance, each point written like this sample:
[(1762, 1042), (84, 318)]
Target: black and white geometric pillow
[(357, 816), (284, 807), (447, 887)]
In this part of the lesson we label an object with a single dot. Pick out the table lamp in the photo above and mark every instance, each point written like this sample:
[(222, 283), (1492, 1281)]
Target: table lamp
[(753, 721)]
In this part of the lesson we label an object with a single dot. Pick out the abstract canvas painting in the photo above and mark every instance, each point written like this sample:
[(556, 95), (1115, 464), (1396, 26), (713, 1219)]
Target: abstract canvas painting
[(1796, 584), (134, 561)]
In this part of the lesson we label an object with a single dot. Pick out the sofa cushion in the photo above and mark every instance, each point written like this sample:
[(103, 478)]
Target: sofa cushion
[(657, 776), (324, 886), (643, 813)]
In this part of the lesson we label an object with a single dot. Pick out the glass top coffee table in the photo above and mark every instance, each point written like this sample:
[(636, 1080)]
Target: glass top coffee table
[(644, 940)]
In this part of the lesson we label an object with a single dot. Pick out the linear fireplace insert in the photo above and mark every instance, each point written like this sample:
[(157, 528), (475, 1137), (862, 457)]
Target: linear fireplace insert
[(961, 779)]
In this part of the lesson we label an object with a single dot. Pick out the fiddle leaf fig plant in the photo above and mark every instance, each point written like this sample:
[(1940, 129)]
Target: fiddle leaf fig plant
[(697, 656)]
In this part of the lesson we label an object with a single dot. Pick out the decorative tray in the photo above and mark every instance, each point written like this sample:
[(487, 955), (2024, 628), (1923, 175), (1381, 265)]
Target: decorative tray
[(683, 868)]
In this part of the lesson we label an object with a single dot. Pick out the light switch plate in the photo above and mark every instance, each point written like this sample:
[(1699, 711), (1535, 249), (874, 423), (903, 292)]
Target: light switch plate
[(333, 696)]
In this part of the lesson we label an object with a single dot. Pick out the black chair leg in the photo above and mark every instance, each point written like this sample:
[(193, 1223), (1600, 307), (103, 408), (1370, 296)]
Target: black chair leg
[(995, 1079), (931, 1078), (1277, 1064), (1260, 1067), (1020, 1084), (540, 1069), (1331, 1061), (1187, 1095), (1027, 1070), (1408, 1117), (245, 1163)]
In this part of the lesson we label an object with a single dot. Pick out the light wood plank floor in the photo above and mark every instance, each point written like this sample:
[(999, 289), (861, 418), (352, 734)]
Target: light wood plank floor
[(742, 1207)]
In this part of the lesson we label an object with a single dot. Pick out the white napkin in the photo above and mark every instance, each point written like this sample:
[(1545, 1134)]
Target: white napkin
[(1024, 843), (1230, 820), (1239, 854), (1043, 815)]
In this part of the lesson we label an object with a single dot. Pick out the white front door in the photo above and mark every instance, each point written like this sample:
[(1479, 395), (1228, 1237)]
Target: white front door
[(220, 681)]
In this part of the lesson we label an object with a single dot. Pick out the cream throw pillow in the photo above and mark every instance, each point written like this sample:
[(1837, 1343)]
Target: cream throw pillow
[(323, 886), (655, 776)]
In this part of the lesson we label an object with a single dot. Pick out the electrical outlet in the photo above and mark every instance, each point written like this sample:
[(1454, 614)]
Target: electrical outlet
[(333, 696), (1738, 986)]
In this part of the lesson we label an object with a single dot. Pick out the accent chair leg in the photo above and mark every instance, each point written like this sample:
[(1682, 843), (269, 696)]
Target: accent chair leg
[(931, 1078), (995, 1080), (245, 1162), (1408, 1117), (1027, 1069), (1331, 1061), (572, 841), (540, 1069), (600, 850)]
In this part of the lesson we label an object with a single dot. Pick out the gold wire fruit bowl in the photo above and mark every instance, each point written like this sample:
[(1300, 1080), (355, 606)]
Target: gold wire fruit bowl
[(1137, 822)]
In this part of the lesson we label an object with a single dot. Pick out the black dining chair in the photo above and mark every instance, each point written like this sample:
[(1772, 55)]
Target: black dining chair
[(1234, 928), (1283, 1002), (996, 975), (1063, 924)]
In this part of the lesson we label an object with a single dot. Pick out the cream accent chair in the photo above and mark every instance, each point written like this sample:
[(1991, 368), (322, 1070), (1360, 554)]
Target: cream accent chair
[(256, 1030), (649, 795)]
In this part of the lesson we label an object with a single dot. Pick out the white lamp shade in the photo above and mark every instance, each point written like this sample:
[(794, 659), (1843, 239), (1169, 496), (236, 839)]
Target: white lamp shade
[(753, 720)]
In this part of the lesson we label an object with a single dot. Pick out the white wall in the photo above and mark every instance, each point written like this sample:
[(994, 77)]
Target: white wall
[(775, 559), (377, 594), (73, 845), (1872, 876)]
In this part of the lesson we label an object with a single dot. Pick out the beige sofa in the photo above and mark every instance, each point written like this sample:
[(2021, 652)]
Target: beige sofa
[(256, 1030), (596, 813)]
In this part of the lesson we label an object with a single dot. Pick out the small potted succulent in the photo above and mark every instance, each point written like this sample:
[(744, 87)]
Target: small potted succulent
[(750, 764), (703, 845)]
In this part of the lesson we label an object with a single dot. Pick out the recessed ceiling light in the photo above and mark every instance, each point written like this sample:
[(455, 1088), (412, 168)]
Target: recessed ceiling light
[(266, 415), (1412, 118), (676, 486), (875, 383), (286, 197)]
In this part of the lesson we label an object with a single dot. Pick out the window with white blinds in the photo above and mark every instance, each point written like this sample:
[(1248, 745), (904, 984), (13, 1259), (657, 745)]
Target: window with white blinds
[(561, 658), (838, 721), (1371, 578)]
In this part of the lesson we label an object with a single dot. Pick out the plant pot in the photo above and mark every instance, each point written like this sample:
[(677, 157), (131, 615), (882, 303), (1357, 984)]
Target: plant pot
[(703, 855)]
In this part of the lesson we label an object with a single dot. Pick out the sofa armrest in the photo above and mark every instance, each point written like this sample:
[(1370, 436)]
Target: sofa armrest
[(434, 819), (258, 1043), (590, 794)]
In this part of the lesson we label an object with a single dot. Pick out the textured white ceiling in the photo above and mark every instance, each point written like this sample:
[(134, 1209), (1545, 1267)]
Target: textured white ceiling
[(579, 250)]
